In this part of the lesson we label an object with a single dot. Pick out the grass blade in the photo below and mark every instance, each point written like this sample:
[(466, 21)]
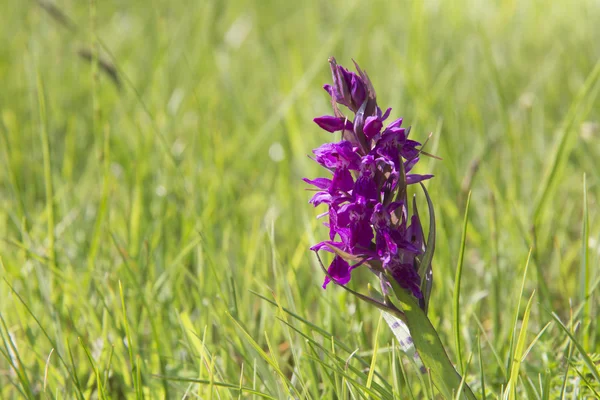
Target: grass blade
[(232, 386), (586, 358), (586, 278), (483, 393), (375, 351), (513, 331), (101, 393), (132, 362), (511, 386), (47, 172), (457, 279)]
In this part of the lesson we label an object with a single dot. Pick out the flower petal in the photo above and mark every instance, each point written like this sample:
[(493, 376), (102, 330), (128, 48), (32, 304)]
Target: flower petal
[(387, 114), (320, 198), (339, 269), (337, 155), (333, 124), (326, 245), (321, 183), (372, 126), (415, 178)]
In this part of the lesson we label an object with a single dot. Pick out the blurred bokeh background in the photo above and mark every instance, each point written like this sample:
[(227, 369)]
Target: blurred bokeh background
[(151, 156)]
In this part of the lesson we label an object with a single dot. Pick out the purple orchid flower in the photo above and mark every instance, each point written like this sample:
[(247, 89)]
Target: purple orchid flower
[(367, 215)]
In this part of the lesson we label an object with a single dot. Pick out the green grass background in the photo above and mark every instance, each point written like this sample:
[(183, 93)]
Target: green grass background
[(136, 223)]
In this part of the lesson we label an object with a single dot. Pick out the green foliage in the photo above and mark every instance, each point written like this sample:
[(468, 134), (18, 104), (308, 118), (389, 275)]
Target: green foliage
[(154, 227), (431, 349)]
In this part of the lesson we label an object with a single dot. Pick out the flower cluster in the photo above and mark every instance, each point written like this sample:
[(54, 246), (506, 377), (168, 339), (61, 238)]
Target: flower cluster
[(368, 215)]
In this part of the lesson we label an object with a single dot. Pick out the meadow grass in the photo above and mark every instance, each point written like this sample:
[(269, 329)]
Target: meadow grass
[(155, 229)]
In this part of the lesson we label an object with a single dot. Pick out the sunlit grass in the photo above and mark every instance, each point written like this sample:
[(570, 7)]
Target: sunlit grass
[(154, 235)]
